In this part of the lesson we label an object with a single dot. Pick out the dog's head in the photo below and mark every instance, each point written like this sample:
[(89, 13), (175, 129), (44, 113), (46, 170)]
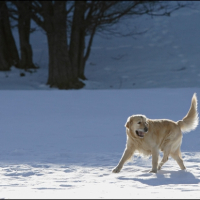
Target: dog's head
[(138, 125)]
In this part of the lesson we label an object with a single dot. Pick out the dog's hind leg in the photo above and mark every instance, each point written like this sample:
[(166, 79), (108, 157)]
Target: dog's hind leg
[(177, 156)]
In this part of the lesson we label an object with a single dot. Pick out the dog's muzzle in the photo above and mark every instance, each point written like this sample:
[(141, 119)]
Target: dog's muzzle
[(141, 133)]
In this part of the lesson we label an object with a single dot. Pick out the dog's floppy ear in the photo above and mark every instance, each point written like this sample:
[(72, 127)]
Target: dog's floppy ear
[(127, 124)]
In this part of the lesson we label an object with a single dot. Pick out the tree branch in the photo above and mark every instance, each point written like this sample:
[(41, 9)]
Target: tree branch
[(89, 44)]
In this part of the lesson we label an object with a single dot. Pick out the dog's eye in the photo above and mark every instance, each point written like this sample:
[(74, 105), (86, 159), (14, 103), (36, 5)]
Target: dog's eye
[(139, 122)]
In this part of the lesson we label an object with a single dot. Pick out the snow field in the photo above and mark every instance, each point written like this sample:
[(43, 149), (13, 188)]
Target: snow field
[(69, 142)]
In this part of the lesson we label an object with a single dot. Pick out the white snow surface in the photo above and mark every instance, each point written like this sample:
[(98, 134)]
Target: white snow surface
[(65, 143)]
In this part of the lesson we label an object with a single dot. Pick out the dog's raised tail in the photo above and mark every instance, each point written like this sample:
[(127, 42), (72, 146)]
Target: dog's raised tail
[(191, 120)]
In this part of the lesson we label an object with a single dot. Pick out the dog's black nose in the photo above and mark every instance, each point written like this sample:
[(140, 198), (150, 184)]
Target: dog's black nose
[(145, 129)]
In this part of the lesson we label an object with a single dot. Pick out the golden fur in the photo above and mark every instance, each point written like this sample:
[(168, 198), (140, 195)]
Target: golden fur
[(148, 136)]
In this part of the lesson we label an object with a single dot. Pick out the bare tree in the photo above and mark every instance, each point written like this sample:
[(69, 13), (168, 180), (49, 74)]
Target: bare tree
[(99, 16), (22, 14), (51, 16), (67, 58), (8, 50)]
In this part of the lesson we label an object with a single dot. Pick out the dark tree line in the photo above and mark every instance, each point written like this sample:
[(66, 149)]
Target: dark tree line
[(66, 24)]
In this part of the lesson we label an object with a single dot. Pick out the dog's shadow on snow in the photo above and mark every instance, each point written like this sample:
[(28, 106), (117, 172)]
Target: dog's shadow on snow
[(164, 177)]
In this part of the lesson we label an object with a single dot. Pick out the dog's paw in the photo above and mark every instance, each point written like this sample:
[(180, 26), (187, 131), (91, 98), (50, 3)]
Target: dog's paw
[(116, 170), (153, 171)]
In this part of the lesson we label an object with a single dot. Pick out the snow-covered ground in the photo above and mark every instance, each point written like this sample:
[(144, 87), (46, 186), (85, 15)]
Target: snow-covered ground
[(64, 143)]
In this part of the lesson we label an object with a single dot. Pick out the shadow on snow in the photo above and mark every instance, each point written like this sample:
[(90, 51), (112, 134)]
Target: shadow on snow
[(164, 177)]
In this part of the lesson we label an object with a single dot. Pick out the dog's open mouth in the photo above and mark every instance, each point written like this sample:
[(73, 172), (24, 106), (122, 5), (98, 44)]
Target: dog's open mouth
[(140, 133)]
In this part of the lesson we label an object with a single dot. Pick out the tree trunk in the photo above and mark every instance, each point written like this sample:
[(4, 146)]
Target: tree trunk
[(4, 63), (77, 40), (83, 57), (26, 61), (61, 73), (8, 50), (59, 65)]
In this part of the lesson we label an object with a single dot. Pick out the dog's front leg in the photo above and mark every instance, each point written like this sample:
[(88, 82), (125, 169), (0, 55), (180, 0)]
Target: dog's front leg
[(128, 152), (155, 155)]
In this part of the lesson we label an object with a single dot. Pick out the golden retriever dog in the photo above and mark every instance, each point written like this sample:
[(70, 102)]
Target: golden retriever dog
[(148, 136)]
